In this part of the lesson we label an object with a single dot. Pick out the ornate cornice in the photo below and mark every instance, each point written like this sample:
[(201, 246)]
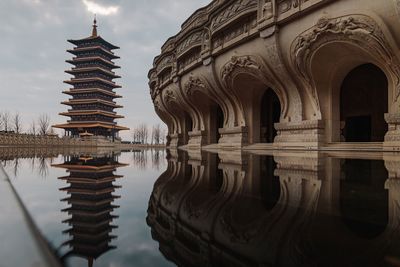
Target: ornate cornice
[(233, 10), (166, 61), (193, 40)]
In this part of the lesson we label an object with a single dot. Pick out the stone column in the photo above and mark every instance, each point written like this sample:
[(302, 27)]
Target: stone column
[(197, 139), (234, 137), (176, 140), (300, 135), (392, 137)]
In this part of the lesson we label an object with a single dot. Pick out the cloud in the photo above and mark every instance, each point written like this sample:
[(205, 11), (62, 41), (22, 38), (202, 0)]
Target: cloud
[(99, 9)]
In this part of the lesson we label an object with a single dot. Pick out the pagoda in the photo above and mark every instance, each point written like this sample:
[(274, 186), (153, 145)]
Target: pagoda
[(91, 194), (92, 103)]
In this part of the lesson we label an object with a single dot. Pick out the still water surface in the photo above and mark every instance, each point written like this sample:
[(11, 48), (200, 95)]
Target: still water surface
[(157, 208)]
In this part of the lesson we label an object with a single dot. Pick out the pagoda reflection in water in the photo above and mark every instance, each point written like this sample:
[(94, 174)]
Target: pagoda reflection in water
[(91, 187), (282, 210)]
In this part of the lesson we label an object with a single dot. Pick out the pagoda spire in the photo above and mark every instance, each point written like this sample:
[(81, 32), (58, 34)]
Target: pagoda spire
[(94, 31)]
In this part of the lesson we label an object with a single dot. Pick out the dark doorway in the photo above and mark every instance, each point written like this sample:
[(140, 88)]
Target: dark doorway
[(216, 122), (358, 129), (188, 127), (363, 104), (270, 114), (220, 121)]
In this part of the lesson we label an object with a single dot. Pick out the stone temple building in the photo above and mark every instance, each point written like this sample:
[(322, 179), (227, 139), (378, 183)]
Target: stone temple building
[(284, 74)]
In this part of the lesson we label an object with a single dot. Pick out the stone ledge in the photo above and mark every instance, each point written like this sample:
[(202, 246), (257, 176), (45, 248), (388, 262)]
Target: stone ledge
[(20, 232)]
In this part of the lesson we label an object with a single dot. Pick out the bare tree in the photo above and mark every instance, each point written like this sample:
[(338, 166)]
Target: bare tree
[(17, 123), (33, 129), (156, 134), (163, 136), (5, 118), (1, 121), (135, 135), (44, 124), (144, 133)]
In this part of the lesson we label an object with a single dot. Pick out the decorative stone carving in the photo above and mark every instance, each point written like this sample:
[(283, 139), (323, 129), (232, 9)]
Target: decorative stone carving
[(238, 62), (166, 61), (188, 59), (206, 40), (267, 10), (231, 11), (194, 39), (357, 29), (192, 84), (234, 31), (168, 46), (157, 105), (169, 97), (284, 6)]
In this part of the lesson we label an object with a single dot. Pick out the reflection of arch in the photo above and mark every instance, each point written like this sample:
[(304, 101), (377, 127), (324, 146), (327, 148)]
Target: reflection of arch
[(231, 221), (363, 104), (324, 54), (363, 197), (270, 186)]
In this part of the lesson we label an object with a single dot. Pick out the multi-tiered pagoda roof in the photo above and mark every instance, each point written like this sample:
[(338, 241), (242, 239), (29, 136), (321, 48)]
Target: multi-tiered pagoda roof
[(92, 103)]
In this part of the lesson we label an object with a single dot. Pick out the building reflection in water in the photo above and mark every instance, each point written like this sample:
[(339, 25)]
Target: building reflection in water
[(309, 209), (91, 196)]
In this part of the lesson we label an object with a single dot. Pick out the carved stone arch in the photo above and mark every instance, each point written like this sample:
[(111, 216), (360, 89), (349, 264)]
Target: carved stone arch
[(361, 31), (185, 106), (188, 89), (254, 66), (172, 104), (211, 109), (162, 106), (200, 84), (165, 116)]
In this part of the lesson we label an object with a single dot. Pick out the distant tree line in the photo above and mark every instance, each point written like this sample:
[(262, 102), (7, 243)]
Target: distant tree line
[(155, 135), (12, 123)]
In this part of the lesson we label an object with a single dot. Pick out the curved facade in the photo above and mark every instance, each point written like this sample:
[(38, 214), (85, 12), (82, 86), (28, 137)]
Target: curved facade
[(305, 74)]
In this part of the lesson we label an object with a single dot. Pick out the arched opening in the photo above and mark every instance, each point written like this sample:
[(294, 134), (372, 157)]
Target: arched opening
[(270, 113), (212, 114), (363, 197), (217, 122), (363, 103), (187, 127)]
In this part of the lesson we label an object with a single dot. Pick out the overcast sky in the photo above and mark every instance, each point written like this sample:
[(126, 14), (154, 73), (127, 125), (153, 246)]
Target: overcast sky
[(33, 40)]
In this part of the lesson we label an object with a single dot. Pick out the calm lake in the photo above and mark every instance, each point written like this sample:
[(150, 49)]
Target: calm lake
[(159, 208)]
